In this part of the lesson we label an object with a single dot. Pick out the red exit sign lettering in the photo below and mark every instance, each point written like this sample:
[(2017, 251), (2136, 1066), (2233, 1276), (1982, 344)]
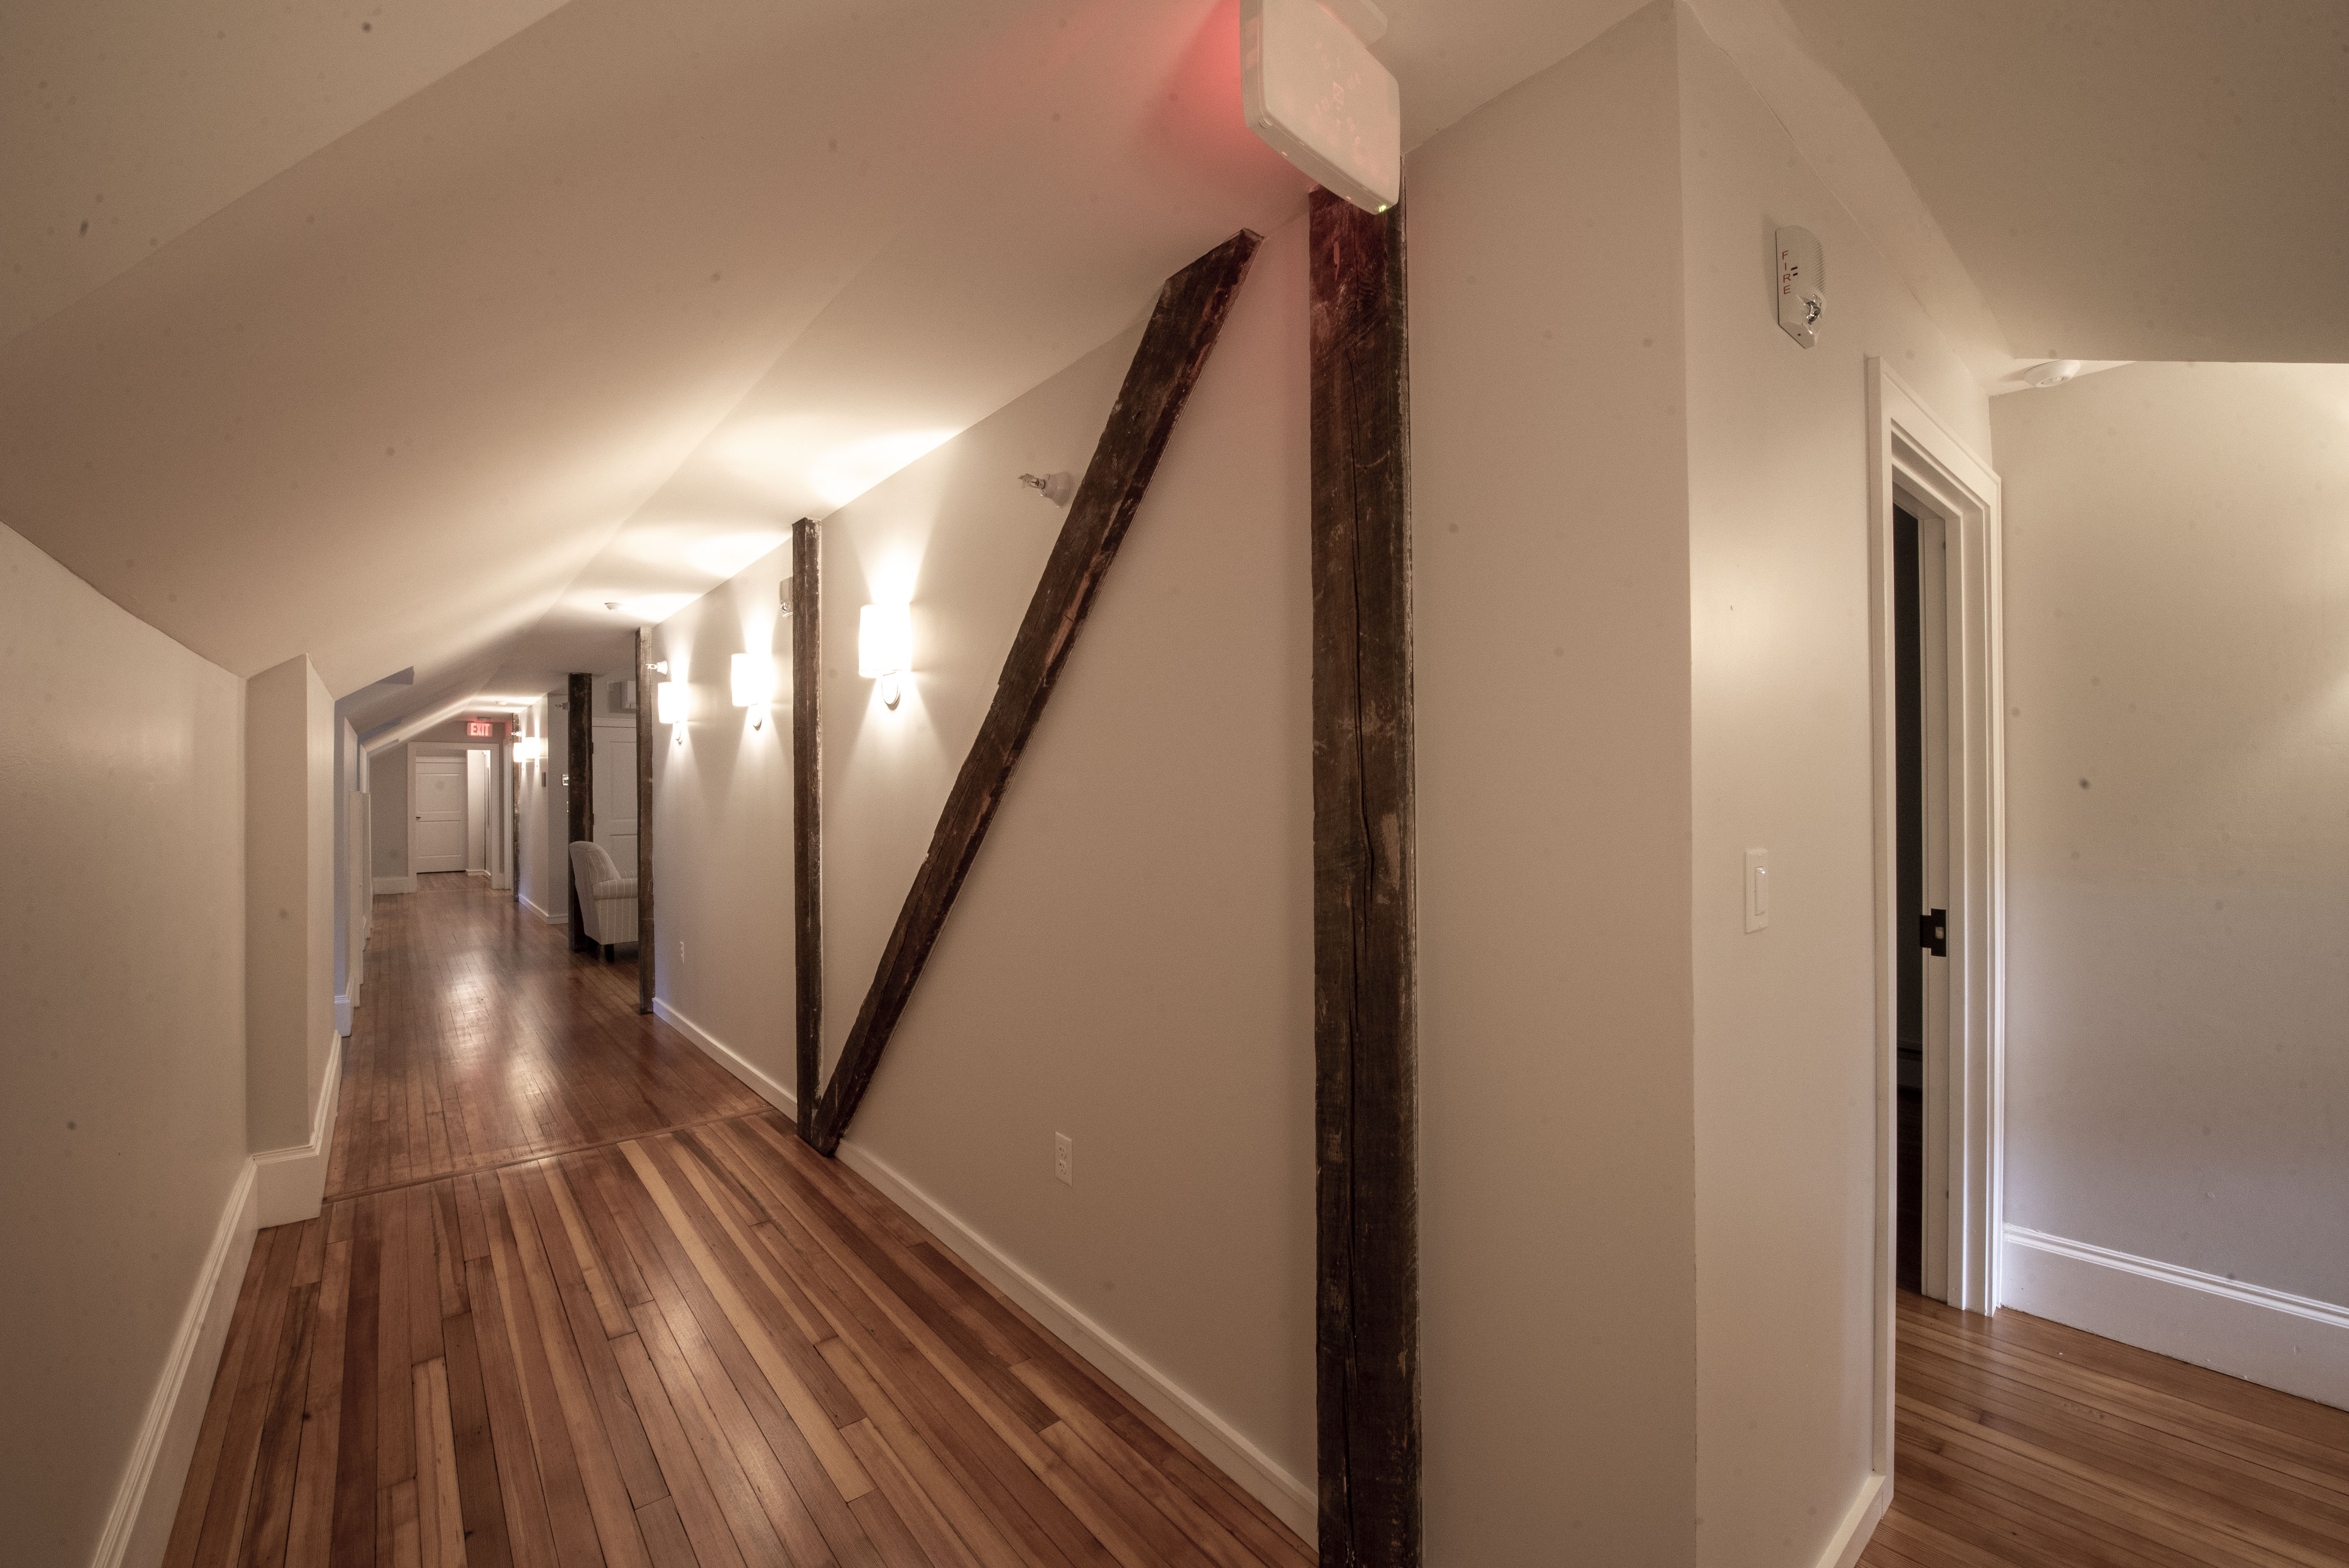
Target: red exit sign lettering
[(477, 729)]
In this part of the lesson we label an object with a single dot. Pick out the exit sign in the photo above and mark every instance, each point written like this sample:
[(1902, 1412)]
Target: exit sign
[(477, 729)]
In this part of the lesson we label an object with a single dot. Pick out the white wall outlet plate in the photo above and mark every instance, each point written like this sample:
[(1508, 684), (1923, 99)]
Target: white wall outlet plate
[(1064, 1159), (1317, 97), (1757, 889)]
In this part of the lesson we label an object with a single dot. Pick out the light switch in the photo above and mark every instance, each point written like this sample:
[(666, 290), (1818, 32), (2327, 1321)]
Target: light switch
[(1757, 889)]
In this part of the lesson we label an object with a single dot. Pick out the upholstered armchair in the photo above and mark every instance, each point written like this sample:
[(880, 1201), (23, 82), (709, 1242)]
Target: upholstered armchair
[(607, 900)]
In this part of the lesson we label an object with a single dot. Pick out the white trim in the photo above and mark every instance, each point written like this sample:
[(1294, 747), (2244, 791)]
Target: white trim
[(2289, 1342), (1859, 1522), (1292, 1500), (385, 886), (147, 1499), (559, 918), (290, 1183), (1909, 447)]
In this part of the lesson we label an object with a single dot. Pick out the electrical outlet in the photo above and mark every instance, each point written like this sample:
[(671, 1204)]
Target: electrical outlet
[(1064, 1159)]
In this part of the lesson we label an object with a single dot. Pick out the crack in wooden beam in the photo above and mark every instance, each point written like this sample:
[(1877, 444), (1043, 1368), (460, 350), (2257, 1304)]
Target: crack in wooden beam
[(1182, 332)]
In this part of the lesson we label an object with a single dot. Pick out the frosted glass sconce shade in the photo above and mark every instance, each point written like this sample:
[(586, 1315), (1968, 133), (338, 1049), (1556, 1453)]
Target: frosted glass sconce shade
[(754, 680), (885, 646), (529, 748), (668, 697)]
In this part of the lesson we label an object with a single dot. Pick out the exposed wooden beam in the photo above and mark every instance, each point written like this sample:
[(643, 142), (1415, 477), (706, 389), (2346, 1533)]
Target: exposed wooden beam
[(1365, 1027), (646, 946), (580, 736), (807, 811), (1182, 331)]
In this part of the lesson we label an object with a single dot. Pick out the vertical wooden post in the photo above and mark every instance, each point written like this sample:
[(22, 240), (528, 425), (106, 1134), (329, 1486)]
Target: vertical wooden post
[(1365, 1025), (581, 738), (646, 946), (807, 812)]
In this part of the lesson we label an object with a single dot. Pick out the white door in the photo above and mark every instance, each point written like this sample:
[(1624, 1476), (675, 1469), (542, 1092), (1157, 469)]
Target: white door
[(615, 796), (436, 809)]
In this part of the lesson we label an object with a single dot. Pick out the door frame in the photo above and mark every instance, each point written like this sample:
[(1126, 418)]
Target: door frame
[(1913, 450), (420, 749)]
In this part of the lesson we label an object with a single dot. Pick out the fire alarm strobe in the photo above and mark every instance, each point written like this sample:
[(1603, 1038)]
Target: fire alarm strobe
[(1802, 285), (1311, 89)]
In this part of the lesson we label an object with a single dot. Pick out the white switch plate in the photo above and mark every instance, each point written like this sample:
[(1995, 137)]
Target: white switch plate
[(1064, 1159), (1757, 889)]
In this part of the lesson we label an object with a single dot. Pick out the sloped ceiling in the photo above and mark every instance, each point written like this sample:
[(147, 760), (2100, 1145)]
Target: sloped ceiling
[(416, 337), (2124, 178)]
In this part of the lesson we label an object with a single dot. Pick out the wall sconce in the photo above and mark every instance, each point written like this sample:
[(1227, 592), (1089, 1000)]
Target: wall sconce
[(754, 684), (668, 698), (529, 748), (884, 642)]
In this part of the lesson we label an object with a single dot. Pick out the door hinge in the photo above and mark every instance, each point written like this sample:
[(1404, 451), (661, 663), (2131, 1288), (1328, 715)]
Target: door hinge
[(1933, 932)]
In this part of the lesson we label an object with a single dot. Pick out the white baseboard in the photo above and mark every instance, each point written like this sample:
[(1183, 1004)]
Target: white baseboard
[(388, 885), (1859, 1522), (561, 917), (1292, 1500), (343, 1007), (775, 1094), (288, 1183), (2287, 1342), (146, 1500)]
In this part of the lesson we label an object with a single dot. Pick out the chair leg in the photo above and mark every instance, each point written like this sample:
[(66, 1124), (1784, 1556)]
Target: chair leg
[(607, 952)]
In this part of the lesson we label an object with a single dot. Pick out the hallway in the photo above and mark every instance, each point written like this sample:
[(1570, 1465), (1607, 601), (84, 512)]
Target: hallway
[(577, 1297)]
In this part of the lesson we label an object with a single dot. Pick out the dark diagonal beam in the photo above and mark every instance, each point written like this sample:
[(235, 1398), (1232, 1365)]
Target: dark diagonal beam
[(1182, 331)]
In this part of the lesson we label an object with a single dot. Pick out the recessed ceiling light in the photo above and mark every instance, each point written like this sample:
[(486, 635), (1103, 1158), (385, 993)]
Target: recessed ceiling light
[(2055, 373)]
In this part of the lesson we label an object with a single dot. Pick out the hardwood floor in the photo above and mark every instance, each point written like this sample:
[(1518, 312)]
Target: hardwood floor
[(2020, 1441), (481, 1040), (656, 1348)]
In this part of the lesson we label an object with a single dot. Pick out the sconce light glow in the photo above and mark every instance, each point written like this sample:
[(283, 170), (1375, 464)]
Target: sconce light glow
[(669, 699), (529, 748), (885, 646), (754, 684)]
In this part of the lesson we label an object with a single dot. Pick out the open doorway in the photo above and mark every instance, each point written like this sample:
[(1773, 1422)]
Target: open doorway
[(1921, 903)]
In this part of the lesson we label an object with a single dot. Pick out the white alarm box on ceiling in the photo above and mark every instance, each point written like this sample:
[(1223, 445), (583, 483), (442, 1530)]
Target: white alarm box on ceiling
[(1317, 97)]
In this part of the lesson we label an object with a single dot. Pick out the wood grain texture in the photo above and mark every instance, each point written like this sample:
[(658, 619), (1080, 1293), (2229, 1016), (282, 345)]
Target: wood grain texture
[(1365, 1010), (483, 1042), (2020, 1441), (647, 948), (581, 788), (711, 1346), (807, 816), (1180, 334)]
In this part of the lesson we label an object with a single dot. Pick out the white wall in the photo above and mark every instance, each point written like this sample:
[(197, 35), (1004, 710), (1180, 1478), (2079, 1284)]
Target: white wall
[(2177, 585), (289, 932), (387, 803), (539, 882), (1781, 746), (122, 1092), (1551, 559), (1130, 960)]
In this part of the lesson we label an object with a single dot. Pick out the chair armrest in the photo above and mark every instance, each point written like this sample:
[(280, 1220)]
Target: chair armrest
[(626, 887)]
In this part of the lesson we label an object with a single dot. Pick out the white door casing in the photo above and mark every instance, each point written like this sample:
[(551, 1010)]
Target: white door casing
[(436, 809), (1912, 451)]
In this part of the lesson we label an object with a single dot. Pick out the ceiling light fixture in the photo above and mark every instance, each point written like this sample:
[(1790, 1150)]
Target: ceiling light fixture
[(2055, 373)]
